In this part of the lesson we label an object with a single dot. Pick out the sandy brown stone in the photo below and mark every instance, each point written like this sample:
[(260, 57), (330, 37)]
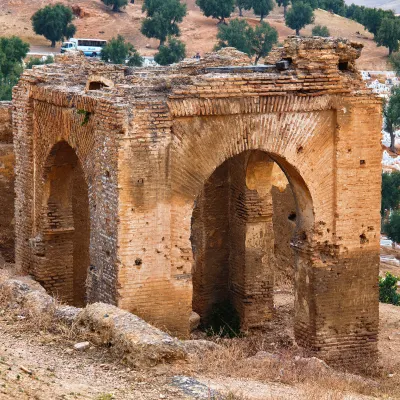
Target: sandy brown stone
[(150, 189)]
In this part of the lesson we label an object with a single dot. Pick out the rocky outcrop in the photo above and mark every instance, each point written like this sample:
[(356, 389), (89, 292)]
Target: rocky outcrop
[(136, 341)]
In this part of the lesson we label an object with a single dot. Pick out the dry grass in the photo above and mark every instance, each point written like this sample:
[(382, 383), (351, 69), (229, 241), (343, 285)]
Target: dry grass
[(235, 359), (23, 318)]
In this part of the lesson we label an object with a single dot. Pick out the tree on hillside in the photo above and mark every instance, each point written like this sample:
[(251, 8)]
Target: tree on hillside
[(54, 23), (394, 60), (243, 5), (388, 34), (264, 38), (218, 9), (390, 191), (262, 7), (162, 18), (392, 227), (299, 16), (12, 52), (117, 51), (320, 30), (284, 4), (391, 113), (312, 3), (356, 13), (372, 18), (238, 34), (256, 42), (116, 4), (171, 53), (336, 6)]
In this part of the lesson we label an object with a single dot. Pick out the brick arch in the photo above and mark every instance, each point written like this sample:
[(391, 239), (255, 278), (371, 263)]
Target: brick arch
[(302, 143), (232, 238), (62, 255)]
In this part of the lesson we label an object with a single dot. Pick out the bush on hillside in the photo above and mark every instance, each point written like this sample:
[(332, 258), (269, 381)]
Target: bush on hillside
[(117, 51), (38, 61), (320, 30), (171, 53)]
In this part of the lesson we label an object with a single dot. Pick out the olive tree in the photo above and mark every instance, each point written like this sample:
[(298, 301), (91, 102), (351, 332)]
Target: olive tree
[(162, 18), (54, 23), (299, 15)]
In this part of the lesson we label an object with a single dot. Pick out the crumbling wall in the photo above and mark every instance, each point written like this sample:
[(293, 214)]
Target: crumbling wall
[(150, 140), (7, 161)]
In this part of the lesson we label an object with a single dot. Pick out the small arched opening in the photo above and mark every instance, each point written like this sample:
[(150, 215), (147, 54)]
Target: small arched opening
[(252, 211), (64, 226)]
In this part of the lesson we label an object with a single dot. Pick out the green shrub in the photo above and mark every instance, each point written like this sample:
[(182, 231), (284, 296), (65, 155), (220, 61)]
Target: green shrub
[(388, 289), (171, 53), (223, 321), (320, 30), (117, 51), (38, 61)]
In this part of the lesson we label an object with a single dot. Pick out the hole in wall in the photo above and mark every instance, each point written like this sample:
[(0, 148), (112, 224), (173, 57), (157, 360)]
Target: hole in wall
[(97, 85), (292, 216), (363, 239)]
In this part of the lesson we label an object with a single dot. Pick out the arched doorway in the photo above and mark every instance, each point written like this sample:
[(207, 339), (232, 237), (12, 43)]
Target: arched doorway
[(243, 225), (64, 227)]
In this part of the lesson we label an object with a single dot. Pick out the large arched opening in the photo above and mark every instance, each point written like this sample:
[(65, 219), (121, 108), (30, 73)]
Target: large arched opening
[(64, 226), (251, 225)]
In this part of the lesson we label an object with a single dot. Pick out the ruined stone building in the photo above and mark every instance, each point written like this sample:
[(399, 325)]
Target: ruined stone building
[(151, 188)]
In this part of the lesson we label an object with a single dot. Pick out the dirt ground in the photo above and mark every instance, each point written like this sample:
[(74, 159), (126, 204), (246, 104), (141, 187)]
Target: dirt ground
[(40, 365), (198, 32)]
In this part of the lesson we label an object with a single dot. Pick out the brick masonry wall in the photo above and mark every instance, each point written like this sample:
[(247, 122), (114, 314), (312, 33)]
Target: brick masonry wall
[(7, 161), (154, 137)]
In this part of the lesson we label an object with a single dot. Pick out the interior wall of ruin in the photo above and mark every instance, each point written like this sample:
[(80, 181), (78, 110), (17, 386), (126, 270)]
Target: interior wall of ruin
[(62, 263), (235, 255), (7, 162)]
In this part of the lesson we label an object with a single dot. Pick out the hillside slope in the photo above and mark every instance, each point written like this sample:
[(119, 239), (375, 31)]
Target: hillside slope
[(198, 32)]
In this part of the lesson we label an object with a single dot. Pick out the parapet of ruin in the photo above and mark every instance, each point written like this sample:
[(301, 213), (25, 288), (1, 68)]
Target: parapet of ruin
[(150, 188)]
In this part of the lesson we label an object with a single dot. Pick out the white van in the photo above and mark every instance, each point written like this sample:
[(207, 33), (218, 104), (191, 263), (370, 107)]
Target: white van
[(91, 47)]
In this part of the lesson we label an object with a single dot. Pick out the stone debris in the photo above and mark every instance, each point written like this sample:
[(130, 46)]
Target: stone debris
[(135, 340), (81, 346), (194, 388), (312, 362), (194, 321)]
